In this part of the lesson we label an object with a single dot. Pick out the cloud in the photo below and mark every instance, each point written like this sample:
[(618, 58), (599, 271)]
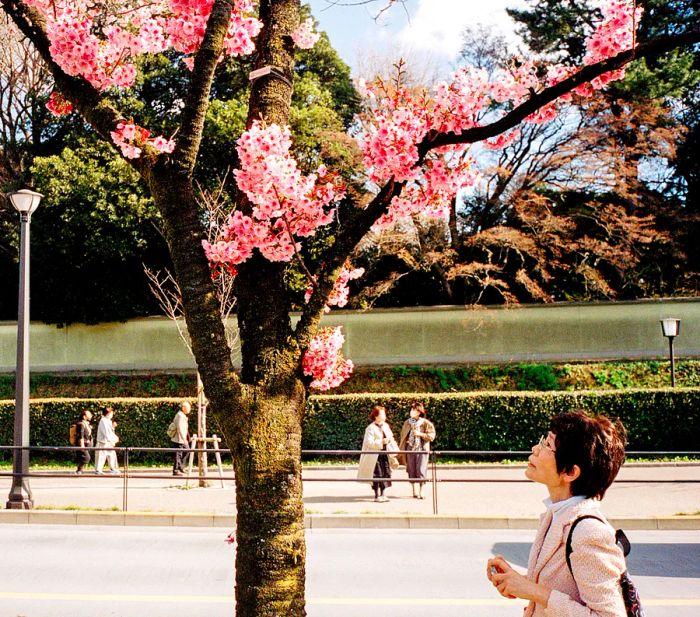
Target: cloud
[(436, 25)]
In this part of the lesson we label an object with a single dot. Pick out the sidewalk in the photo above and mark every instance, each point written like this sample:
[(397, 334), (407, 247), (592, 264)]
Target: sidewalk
[(645, 496)]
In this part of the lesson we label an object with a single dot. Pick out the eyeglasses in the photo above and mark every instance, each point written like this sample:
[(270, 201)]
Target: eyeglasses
[(542, 443)]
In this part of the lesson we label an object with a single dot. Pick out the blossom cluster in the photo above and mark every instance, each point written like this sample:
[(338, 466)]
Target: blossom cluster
[(90, 41), (340, 293), (324, 361), (304, 36), (286, 203), (398, 120), (58, 105), (431, 193), (128, 135)]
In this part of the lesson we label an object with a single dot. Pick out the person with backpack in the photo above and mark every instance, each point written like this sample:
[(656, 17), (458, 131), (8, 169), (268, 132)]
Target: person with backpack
[(83, 439), (179, 434), (577, 461)]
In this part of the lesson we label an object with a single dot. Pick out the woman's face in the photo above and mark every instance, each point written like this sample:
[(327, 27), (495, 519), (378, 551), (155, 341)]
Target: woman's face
[(381, 417), (414, 412), (542, 464)]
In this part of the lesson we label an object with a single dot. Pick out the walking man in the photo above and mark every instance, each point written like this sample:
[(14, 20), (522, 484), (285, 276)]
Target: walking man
[(106, 438), (84, 440), (179, 434)]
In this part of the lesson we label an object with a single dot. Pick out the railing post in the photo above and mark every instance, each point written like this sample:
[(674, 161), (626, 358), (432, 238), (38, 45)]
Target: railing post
[(125, 494), (434, 481)]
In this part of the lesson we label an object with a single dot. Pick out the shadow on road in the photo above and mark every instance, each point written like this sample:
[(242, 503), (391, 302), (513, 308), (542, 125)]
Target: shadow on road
[(651, 559)]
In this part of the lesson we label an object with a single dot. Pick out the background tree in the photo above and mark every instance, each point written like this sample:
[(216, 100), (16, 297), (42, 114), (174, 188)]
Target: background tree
[(261, 410)]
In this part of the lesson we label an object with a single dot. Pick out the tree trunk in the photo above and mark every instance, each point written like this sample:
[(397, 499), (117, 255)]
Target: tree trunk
[(271, 549)]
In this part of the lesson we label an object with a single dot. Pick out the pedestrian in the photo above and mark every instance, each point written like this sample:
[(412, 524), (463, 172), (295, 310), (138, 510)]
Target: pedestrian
[(378, 436), (179, 434), (416, 435), (106, 438), (83, 440), (577, 461)]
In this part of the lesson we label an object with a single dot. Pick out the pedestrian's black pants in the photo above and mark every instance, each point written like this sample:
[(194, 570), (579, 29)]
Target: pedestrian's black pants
[(82, 458), (180, 457)]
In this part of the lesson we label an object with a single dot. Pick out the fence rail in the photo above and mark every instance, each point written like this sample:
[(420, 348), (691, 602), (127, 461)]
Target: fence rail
[(126, 473)]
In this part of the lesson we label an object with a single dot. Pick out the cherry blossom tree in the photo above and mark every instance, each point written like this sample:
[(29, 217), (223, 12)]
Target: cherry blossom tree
[(416, 153)]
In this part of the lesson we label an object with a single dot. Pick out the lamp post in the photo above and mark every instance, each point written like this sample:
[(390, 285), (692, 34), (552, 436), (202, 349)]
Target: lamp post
[(20, 497), (671, 327)]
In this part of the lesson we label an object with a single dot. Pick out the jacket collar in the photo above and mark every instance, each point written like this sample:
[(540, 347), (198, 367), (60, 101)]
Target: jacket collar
[(551, 534)]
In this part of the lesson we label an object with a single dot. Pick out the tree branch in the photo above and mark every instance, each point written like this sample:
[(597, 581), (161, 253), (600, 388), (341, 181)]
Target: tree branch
[(90, 102), (197, 101), (537, 101)]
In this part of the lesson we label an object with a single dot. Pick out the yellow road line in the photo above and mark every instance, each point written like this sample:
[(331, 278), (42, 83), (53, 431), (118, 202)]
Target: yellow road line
[(202, 599)]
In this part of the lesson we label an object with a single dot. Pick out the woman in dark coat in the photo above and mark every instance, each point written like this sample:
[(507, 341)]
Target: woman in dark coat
[(416, 435)]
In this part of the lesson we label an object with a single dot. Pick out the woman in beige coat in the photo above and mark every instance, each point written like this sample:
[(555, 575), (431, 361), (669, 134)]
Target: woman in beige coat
[(377, 437), (577, 461)]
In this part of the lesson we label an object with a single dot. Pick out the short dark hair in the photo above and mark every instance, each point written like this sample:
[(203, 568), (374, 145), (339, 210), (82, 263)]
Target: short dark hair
[(418, 406), (375, 411), (107, 410), (595, 443)]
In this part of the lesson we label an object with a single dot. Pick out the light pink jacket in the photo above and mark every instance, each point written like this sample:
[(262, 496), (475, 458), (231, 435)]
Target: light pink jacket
[(596, 560)]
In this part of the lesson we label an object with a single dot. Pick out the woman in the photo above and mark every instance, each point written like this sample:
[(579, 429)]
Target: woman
[(577, 461), (416, 434), (377, 436)]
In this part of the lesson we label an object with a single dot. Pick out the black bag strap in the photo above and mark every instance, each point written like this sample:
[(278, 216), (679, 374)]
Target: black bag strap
[(571, 533), (620, 539)]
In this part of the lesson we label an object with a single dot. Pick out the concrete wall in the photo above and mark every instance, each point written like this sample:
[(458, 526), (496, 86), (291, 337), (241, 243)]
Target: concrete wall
[(441, 335)]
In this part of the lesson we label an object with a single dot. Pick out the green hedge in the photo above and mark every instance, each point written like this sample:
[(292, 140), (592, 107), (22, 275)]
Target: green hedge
[(141, 422), (662, 419)]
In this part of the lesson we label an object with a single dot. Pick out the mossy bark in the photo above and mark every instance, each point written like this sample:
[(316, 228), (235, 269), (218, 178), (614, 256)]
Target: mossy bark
[(271, 549)]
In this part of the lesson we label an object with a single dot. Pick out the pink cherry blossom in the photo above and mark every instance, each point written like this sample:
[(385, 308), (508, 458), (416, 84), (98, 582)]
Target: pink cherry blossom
[(89, 41), (340, 293), (324, 361), (58, 105), (304, 36), (287, 204)]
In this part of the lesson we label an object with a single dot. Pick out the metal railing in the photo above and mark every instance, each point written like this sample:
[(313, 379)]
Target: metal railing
[(126, 472)]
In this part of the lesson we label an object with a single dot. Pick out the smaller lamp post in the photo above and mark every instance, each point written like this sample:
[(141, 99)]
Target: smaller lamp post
[(20, 497), (671, 327)]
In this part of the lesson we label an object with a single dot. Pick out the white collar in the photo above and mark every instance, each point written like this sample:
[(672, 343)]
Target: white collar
[(555, 507)]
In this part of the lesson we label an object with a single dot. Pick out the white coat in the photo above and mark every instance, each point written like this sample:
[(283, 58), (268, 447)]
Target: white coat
[(372, 441)]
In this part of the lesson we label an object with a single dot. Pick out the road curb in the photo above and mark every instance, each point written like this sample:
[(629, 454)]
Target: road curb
[(322, 521)]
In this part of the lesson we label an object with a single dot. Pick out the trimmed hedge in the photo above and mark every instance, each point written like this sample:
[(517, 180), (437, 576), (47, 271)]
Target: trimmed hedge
[(664, 419), (140, 423)]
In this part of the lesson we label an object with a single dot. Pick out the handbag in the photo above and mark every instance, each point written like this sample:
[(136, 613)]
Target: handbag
[(392, 446), (630, 595)]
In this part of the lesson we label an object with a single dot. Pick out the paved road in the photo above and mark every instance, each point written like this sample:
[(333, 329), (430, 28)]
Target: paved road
[(489, 492), (56, 571)]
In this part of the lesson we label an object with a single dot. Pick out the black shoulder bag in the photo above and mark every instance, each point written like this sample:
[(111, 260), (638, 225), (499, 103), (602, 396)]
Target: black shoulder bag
[(630, 596)]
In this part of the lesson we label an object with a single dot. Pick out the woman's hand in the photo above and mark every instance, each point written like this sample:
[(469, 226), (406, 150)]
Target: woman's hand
[(512, 584)]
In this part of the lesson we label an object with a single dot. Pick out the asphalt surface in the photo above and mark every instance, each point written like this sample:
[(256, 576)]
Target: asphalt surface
[(56, 571)]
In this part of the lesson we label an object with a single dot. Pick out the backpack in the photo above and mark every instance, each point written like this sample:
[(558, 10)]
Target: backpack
[(73, 434), (630, 596), (172, 430)]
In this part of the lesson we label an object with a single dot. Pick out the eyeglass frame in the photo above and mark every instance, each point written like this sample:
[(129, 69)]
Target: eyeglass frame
[(542, 443)]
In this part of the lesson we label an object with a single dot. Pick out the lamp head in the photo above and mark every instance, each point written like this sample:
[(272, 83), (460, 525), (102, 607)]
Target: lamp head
[(25, 201), (671, 326)]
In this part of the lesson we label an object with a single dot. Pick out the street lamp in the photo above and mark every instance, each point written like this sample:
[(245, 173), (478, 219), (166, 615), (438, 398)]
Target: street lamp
[(20, 497), (671, 327)]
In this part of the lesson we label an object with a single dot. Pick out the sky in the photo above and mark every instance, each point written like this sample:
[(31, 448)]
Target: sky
[(425, 29)]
